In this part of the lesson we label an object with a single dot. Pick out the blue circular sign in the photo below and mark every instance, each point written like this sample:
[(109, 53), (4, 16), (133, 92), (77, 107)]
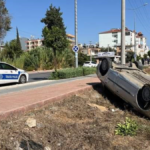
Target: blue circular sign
[(75, 48)]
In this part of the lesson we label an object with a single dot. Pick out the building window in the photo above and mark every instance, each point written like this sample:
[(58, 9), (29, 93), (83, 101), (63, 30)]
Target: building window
[(115, 35), (116, 41), (127, 33)]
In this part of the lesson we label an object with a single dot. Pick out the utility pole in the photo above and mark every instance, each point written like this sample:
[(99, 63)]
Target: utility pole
[(135, 50), (123, 32), (76, 33), (1, 24), (108, 47)]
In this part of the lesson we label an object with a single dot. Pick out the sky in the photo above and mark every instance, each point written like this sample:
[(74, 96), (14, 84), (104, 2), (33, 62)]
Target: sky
[(94, 16)]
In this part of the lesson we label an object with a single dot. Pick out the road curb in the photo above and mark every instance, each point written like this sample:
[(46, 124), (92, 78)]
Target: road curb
[(22, 110)]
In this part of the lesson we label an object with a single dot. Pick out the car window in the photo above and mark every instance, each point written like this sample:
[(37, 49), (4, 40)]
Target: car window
[(93, 62), (6, 67), (1, 66)]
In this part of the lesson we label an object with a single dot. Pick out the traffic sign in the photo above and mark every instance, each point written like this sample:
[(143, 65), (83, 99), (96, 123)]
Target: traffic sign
[(75, 49)]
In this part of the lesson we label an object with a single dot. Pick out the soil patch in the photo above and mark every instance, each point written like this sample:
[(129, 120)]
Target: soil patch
[(82, 122)]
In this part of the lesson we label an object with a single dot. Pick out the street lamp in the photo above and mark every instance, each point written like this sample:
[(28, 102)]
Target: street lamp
[(134, 9)]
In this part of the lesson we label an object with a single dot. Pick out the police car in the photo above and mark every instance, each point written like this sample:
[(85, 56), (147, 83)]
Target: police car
[(11, 74)]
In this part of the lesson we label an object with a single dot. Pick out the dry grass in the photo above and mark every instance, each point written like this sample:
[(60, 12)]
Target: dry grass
[(74, 125)]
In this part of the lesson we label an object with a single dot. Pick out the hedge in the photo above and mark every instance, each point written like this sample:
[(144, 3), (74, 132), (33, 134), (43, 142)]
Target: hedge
[(72, 72), (87, 70)]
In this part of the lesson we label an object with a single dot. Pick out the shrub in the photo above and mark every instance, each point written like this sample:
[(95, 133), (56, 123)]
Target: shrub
[(72, 72), (87, 70), (130, 127)]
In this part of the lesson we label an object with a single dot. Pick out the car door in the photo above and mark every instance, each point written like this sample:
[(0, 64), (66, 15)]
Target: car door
[(9, 74)]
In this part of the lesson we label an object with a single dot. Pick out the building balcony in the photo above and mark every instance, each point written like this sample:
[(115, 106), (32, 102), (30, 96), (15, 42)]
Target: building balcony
[(115, 36)]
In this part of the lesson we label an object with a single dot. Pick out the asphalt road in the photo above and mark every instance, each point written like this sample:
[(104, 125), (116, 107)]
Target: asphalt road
[(34, 77), (28, 86)]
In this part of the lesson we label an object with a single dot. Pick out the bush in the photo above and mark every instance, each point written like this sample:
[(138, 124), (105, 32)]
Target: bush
[(72, 72), (130, 127), (87, 70)]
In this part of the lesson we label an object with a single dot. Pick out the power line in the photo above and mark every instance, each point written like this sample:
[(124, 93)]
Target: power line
[(26, 32), (139, 18), (142, 13), (139, 12), (145, 12)]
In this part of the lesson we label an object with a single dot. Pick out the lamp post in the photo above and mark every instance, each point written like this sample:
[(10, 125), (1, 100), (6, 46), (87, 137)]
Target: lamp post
[(134, 9)]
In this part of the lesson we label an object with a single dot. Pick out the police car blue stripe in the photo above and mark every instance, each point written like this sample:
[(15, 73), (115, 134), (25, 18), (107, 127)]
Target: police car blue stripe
[(9, 76)]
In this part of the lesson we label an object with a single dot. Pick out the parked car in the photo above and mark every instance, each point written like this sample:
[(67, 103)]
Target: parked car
[(11, 74), (129, 83), (89, 64)]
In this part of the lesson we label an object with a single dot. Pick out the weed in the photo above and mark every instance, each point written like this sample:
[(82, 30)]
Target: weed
[(130, 127)]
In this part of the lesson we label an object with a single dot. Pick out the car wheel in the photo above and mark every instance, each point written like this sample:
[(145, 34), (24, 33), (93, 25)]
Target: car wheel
[(22, 79), (105, 65), (138, 65), (144, 98)]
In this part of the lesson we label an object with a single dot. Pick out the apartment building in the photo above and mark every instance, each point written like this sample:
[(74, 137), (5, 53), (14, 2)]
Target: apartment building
[(71, 39), (34, 43), (112, 38)]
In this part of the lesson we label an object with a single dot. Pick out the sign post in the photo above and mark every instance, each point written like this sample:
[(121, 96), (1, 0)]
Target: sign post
[(76, 49)]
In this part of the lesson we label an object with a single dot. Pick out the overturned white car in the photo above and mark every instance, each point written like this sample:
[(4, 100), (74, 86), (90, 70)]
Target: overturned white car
[(129, 83)]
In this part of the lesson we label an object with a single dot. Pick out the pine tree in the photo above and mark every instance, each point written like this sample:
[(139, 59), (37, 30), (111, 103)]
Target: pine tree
[(54, 32)]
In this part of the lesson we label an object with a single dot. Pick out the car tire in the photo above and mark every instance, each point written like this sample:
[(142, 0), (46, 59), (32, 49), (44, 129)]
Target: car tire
[(143, 98), (105, 65), (138, 65), (22, 79)]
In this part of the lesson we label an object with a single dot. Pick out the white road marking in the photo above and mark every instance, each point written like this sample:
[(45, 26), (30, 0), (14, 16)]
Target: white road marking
[(26, 84)]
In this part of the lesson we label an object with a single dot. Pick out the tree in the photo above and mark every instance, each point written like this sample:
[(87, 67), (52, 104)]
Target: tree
[(130, 56), (82, 58), (145, 56), (103, 49), (54, 32), (9, 50), (139, 57), (5, 20), (18, 50)]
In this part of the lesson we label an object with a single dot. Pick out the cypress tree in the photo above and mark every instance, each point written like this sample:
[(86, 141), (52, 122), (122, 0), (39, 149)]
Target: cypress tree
[(18, 45)]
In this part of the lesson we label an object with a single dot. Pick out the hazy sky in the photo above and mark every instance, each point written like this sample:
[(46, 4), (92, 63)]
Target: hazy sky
[(94, 16)]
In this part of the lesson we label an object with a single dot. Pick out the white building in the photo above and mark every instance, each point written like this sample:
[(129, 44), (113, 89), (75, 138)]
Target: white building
[(34, 43), (112, 38)]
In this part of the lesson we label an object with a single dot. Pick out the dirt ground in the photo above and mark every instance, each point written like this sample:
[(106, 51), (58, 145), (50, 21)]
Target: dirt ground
[(74, 124)]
